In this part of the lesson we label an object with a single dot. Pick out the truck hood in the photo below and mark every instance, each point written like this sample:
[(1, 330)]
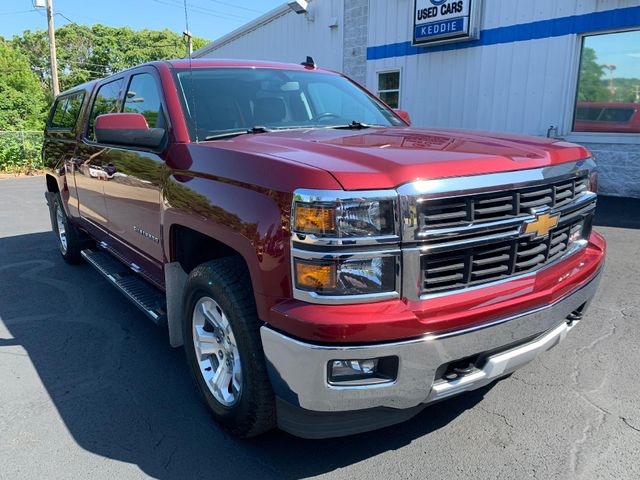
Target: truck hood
[(388, 157)]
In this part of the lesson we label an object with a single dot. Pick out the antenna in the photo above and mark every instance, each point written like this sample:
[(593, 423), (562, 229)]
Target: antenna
[(309, 63), (189, 51)]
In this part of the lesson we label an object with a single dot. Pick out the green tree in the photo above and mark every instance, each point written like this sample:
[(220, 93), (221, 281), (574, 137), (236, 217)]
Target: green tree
[(86, 53), (22, 99), (591, 87)]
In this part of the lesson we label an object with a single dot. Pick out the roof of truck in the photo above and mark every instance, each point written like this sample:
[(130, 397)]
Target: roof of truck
[(226, 63), (204, 63)]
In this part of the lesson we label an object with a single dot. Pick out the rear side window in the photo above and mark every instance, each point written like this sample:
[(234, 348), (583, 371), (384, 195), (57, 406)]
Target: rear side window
[(66, 111), (143, 97), (107, 100)]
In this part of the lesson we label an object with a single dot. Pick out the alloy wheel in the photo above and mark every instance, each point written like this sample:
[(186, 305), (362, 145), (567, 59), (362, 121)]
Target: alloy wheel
[(216, 351)]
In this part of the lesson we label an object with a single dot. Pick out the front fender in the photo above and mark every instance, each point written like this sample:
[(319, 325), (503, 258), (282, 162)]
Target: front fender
[(251, 220)]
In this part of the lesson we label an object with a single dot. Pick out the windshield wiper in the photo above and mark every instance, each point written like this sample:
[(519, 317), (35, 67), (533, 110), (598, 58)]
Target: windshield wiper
[(354, 125), (235, 133)]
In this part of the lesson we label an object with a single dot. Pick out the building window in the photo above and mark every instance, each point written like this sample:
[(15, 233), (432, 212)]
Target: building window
[(608, 97), (389, 88)]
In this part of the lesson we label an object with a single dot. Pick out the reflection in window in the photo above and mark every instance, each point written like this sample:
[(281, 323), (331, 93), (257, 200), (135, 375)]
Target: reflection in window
[(389, 88), (106, 101), (66, 111), (608, 98), (143, 97)]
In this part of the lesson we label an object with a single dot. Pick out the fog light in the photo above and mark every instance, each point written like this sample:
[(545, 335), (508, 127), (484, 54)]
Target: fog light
[(363, 372), (353, 368)]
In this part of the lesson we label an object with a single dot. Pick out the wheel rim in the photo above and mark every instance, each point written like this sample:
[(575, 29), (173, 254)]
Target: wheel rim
[(217, 351), (62, 231)]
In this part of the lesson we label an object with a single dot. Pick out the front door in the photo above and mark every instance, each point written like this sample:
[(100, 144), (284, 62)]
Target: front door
[(133, 189)]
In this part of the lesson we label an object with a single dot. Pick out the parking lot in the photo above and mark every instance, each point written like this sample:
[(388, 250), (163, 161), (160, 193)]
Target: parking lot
[(89, 388)]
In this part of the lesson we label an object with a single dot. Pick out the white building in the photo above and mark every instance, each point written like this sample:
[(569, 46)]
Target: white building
[(517, 69)]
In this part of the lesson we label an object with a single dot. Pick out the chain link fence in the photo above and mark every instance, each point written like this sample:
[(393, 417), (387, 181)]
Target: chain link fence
[(20, 151)]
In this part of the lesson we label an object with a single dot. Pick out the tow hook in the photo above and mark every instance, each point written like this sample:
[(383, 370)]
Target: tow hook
[(574, 316), (459, 371)]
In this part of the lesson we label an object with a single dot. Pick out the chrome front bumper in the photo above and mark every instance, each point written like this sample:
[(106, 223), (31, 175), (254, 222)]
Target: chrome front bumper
[(298, 370)]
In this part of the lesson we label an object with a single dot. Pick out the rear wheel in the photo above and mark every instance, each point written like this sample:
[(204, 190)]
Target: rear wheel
[(223, 347), (68, 237)]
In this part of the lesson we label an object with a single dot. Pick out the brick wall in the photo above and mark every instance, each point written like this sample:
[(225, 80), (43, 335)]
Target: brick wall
[(356, 19), (618, 168)]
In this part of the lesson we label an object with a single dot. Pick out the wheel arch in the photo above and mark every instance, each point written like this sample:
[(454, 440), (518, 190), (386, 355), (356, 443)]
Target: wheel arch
[(189, 247), (52, 184)]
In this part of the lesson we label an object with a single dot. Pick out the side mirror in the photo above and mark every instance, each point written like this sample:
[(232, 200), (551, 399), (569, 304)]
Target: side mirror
[(404, 116), (127, 129)]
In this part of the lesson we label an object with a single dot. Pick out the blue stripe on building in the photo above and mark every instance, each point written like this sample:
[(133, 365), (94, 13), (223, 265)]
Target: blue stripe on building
[(576, 24)]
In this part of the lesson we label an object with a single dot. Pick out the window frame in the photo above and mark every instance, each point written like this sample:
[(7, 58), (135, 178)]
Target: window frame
[(399, 89), (159, 90), (126, 78), (92, 103), (569, 119), (58, 100)]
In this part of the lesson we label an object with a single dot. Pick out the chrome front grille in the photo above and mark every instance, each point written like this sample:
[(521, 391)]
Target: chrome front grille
[(464, 232), (452, 270), (495, 206)]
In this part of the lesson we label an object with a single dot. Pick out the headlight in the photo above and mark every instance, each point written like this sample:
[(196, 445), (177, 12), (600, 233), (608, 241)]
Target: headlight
[(345, 246), (356, 276), (345, 217)]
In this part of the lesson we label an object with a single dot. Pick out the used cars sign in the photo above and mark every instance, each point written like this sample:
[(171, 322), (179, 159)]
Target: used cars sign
[(439, 21)]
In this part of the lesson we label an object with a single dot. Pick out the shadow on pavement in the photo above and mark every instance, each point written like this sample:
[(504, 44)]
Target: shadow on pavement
[(123, 393), (618, 212)]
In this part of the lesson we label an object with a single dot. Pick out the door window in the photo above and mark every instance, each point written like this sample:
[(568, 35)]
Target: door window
[(143, 97), (107, 100)]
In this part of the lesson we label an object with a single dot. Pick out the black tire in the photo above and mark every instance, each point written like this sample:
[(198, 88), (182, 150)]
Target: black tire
[(74, 241), (227, 282)]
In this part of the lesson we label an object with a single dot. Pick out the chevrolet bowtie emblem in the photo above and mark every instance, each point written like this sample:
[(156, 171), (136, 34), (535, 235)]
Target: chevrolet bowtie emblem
[(541, 226)]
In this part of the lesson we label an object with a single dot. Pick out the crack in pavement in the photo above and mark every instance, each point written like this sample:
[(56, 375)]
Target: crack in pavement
[(499, 415), (592, 426), (626, 422), (587, 432)]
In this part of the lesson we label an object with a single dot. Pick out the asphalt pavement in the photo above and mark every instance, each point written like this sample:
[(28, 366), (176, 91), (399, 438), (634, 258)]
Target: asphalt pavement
[(89, 388)]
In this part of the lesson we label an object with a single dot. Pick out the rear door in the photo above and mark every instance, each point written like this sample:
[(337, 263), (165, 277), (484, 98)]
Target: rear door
[(91, 162), (60, 141), (134, 183)]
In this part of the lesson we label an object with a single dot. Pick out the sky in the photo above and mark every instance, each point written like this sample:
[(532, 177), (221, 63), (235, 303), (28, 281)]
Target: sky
[(207, 18), (620, 49)]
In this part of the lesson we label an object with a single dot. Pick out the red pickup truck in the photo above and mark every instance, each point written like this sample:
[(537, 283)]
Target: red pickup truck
[(328, 269)]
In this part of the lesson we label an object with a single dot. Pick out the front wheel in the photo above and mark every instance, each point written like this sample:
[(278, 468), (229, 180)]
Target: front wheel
[(223, 347)]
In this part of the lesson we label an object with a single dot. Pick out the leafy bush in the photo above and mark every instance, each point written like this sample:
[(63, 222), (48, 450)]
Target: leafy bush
[(20, 152)]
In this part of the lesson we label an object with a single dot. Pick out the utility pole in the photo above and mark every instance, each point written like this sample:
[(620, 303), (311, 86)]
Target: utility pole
[(52, 49), (189, 37)]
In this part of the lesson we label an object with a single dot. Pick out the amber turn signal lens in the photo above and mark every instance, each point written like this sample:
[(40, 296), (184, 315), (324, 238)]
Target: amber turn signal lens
[(311, 219), (315, 276)]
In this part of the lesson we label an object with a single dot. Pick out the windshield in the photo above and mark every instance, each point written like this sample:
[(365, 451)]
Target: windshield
[(219, 100)]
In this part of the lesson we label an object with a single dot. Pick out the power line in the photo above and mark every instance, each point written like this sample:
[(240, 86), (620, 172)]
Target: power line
[(16, 13), (206, 11), (212, 11), (236, 6)]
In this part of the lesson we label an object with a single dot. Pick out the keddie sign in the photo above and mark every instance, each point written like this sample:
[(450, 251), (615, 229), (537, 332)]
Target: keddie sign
[(440, 21)]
